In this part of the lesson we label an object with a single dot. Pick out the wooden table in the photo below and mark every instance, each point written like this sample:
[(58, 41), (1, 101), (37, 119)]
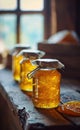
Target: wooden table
[(17, 111)]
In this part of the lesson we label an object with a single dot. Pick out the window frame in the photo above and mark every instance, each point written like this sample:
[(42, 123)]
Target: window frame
[(18, 12)]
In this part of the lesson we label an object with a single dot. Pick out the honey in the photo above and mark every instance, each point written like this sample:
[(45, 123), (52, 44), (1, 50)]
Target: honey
[(46, 88), (46, 83), (25, 83), (16, 61), (16, 67), (26, 67)]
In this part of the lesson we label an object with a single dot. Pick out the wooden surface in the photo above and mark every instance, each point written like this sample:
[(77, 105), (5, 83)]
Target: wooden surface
[(13, 100)]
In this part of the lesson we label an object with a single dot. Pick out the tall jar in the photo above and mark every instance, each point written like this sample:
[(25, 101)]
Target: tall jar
[(46, 83), (26, 67), (16, 61)]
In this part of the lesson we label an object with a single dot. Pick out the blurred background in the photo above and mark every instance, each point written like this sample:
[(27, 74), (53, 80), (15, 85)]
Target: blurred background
[(22, 21), (32, 21), (40, 24)]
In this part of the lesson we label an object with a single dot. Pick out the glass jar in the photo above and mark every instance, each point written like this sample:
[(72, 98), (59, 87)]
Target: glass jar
[(26, 66), (16, 61), (46, 83)]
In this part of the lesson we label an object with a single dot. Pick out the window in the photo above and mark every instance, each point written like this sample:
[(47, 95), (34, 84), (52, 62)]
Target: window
[(23, 21)]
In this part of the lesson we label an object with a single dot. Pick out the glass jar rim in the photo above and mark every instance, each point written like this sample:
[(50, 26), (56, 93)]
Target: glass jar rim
[(18, 46), (29, 52)]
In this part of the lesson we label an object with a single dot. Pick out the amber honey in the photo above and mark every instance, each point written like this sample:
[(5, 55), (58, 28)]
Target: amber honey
[(46, 88), (26, 67), (26, 83), (16, 67), (16, 61), (46, 83)]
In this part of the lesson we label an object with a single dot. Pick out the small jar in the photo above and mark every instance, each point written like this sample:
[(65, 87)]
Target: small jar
[(26, 67), (16, 61), (46, 83)]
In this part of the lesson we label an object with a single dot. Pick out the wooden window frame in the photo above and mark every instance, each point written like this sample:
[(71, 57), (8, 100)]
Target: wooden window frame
[(45, 12)]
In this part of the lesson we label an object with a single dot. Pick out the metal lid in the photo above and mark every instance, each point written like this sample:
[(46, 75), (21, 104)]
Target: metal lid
[(32, 53), (20, 46), (48, 63)]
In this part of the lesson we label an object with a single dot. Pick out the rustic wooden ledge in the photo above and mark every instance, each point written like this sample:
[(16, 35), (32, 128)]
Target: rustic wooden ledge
[(17, 111)]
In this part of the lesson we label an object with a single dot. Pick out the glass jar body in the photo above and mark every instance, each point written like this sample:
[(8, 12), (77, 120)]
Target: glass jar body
[(16, 58), (46, 88), (26, 67), (16, 66)]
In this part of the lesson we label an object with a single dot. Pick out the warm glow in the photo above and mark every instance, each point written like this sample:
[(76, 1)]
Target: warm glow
[(31, 5), (7, 4)]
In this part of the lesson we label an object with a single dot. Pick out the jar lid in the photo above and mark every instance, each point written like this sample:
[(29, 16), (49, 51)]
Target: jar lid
[(48, 63), (32, 53), (20, 46)]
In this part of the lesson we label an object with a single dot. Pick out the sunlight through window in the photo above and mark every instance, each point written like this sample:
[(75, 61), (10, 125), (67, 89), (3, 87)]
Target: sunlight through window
[(8, 4), (32, 5)]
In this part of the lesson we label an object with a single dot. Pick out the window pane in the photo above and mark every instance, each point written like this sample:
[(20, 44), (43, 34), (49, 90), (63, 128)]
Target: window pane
[(8, 29), (32, 29), (32, 5), (8, 4)]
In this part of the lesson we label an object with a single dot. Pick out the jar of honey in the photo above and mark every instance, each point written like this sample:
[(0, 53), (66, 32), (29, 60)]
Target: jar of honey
[(46, 83), (26, 67), (16, 61)]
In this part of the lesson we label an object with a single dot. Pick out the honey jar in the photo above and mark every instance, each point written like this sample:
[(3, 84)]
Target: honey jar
[(26, 66), (46, 83), (16, 61)]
